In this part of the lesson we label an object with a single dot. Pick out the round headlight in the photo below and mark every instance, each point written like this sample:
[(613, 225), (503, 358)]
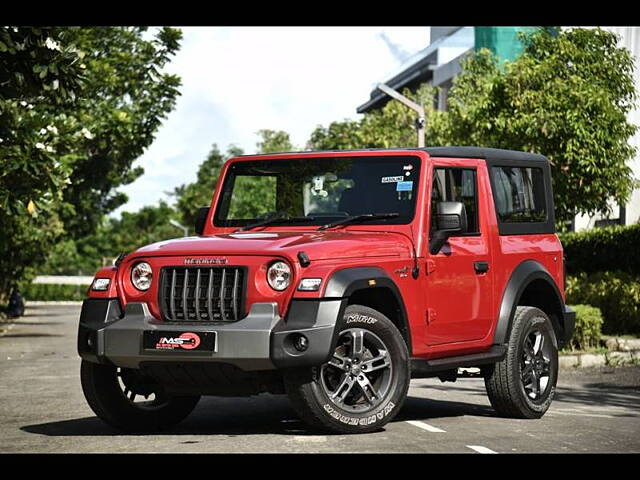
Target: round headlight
[(141, 276), (279, 276)]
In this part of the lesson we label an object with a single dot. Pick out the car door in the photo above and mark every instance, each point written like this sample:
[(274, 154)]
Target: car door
[(458, 286)]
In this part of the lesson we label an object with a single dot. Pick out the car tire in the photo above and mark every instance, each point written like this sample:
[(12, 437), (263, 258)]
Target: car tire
[(523, 384), (113, 394), (365, 383)]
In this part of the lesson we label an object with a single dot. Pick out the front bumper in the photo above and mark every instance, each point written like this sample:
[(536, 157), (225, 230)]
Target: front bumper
[(261, 341)]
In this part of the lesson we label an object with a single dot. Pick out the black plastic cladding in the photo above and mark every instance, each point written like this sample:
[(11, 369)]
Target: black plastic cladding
[(346, 281), (522, 276)]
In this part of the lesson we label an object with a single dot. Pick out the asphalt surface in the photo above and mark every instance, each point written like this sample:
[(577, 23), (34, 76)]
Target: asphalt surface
[(42, 410)]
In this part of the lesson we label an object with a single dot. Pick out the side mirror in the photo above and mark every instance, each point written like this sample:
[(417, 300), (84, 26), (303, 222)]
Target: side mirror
[(201, 218), (451, 218)]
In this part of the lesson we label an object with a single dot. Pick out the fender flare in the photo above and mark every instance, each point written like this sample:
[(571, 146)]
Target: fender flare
[(525, 273), (343, 283)]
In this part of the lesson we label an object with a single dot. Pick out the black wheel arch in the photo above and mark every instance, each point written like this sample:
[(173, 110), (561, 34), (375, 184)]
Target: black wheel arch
[(531, 283), (370, 286)]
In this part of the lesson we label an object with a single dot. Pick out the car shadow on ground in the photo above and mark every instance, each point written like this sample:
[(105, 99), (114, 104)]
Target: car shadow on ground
[(255, 416), (602, 394)]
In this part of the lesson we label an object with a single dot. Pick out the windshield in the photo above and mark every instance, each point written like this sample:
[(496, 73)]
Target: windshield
[(324, 189)]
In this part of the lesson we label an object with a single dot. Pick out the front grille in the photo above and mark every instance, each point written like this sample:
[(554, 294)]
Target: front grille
[(209, 294)]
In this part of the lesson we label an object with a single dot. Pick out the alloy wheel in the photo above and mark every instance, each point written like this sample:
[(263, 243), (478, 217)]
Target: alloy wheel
[(535, 365), (359, 375)]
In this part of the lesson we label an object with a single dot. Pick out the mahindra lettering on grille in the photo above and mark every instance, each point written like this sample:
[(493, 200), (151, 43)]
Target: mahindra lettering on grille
[(202, 294)]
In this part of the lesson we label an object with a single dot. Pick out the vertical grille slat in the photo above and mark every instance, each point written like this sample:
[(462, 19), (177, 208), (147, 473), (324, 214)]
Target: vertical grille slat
[(222, 287), (172, 296), (234, 297), (209, 291), (210, 294), (185, 291), (196, 295)]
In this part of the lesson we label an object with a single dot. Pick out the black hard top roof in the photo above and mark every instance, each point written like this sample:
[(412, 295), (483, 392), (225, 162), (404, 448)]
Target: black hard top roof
[(491, 154), (486, 153)]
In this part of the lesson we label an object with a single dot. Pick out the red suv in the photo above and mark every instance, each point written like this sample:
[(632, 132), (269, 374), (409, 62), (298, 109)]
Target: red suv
[(336, 277)]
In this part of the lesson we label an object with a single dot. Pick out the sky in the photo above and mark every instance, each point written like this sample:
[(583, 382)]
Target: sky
[(238, 80)]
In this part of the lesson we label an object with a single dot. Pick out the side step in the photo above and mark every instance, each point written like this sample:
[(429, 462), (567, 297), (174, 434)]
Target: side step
[(423, 368)]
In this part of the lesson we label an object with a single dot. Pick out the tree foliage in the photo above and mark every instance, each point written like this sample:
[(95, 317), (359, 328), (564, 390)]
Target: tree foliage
[(112, 237), (191, 196), (392, 126), (38, 69), (77, 107), (125, 99), (567, 96)]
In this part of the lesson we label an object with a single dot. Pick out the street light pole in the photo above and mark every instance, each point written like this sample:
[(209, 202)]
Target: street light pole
[(180, 226), (420, 121)]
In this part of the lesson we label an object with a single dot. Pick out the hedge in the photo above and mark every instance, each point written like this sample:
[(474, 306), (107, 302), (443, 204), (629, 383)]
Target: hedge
[(616, 294), (588, 328), (51, 292), (602, 249)]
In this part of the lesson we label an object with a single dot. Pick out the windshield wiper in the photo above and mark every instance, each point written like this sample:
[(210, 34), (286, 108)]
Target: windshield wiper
[(275, 219), (363, 216)]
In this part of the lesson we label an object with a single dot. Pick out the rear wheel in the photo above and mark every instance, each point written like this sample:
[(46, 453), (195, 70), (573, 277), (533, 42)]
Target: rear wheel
[(524, 383), (363, 385), (130, 401)]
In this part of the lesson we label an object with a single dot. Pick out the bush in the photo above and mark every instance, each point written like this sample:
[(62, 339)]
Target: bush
[(616, 294), (599, 249), (588, 328), (50, 292)]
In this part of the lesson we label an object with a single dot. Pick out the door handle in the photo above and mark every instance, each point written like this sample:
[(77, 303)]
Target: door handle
[(481, 266)]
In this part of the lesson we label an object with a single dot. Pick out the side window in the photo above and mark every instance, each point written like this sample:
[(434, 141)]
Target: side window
[(519, 195), (452, 184)]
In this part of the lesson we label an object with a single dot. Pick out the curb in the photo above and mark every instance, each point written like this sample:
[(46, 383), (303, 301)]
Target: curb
[(36, 303), (585, 360)]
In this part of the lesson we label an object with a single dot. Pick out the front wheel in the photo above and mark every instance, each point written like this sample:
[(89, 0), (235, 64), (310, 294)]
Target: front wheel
[(363, 385), (523, 384), (130, 401)]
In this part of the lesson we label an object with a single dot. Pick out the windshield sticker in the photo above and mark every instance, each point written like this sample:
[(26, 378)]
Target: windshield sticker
[(318, 186), (404, 186), (408, 167), (392, 179)]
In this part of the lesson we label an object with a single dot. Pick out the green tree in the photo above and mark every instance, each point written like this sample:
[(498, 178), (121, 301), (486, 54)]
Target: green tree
[(274, 141), (191, 196), (567, 96), (77, 107), (38, 68), (126, 98), (113, 236), (392, 126)]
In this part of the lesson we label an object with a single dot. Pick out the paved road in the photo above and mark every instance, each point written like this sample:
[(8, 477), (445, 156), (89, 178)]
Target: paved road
[(42, 409)]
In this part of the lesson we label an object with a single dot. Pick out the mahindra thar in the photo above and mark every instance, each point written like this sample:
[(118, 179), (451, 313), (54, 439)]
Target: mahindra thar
[(336, 277)]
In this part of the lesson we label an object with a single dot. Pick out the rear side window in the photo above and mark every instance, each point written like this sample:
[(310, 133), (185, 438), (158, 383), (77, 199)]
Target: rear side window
[(519, 194)]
